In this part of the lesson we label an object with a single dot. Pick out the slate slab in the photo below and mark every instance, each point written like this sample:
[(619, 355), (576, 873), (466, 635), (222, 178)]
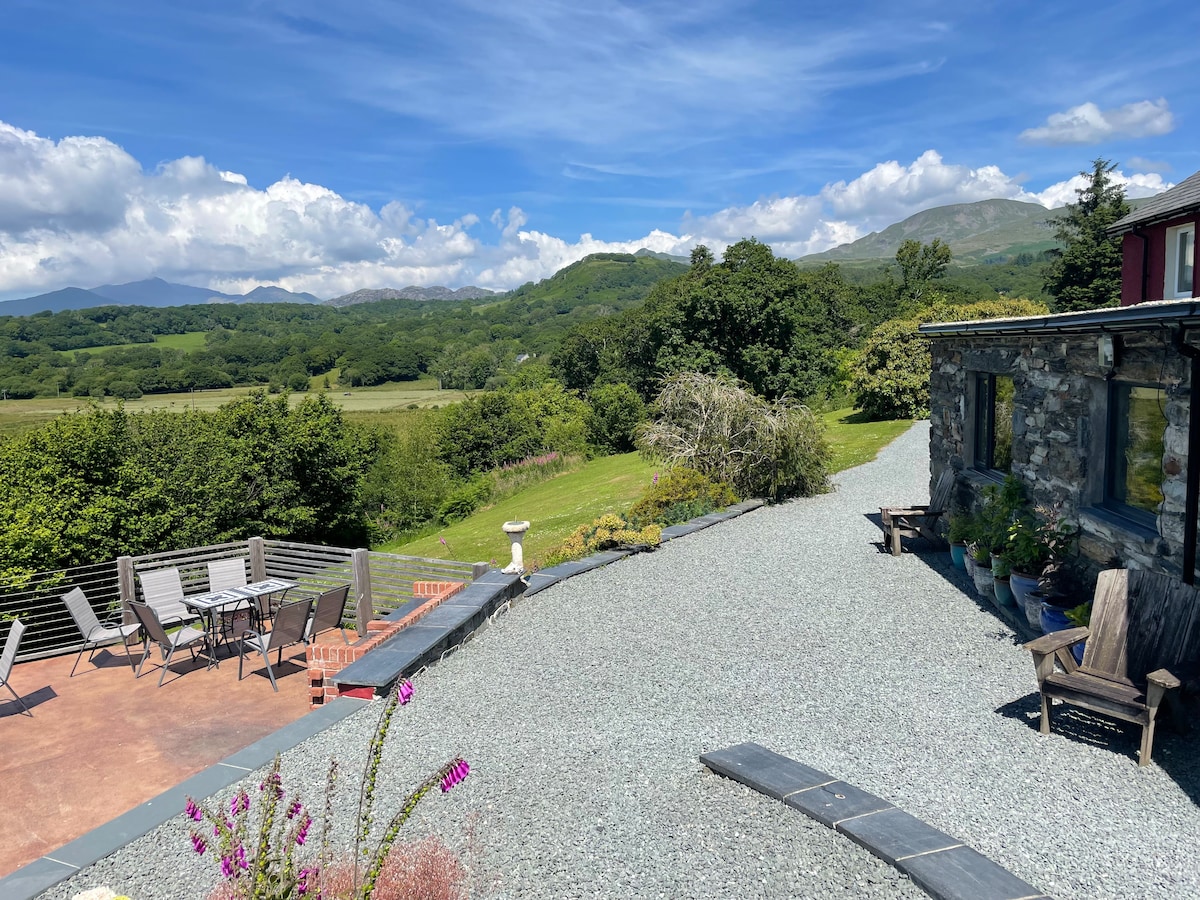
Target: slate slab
[(29, 881), (965, 874), (893, 834), (763, 770), (836, 802)]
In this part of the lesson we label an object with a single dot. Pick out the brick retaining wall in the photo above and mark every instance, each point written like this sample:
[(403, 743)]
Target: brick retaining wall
[(327, 660)]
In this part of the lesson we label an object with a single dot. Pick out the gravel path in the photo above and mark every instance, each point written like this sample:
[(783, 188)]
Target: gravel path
[(583, 712)]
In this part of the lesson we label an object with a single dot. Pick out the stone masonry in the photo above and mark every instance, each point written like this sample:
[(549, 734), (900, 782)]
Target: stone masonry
[(1059, 431)]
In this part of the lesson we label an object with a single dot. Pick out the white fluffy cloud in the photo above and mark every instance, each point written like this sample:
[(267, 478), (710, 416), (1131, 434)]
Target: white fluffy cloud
[(82, 211), (1088, 124)]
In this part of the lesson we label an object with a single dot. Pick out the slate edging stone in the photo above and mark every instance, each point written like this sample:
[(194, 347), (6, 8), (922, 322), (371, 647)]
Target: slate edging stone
[(942, 866)]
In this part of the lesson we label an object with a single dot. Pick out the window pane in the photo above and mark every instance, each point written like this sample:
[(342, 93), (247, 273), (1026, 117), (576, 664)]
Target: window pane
[(1138, 449), (1184, 255), (1002, 423)]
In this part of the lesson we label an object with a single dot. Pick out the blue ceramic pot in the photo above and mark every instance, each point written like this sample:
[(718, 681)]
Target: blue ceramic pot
[(1054, 618), (958, 555)]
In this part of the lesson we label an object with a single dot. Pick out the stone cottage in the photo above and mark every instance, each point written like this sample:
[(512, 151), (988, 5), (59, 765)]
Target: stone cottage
[(1092, 409)]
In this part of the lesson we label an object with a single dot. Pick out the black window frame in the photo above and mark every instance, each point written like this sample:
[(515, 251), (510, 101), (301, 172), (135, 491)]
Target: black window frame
[(1114, 462), (983, 451)]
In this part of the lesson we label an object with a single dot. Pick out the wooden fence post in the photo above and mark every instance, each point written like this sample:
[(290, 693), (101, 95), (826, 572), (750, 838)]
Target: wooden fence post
[(125, 587), (258, 560), (364, 603)]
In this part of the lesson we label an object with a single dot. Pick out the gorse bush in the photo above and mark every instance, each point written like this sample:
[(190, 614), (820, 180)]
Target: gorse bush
[(605, 533), (679, 495)]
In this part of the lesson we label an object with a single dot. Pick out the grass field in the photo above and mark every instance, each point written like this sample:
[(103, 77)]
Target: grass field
[(610, 484), (188, 341), (19, 415)]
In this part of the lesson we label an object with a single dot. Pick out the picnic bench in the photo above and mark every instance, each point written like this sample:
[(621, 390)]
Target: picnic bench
[(917, 521), (1143, 641)]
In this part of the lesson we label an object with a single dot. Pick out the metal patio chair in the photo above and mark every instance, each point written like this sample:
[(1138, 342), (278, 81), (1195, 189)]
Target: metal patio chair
[(328, 610), (162, 590), (156, 633), (291, 623), (8, 656), (94, 632)]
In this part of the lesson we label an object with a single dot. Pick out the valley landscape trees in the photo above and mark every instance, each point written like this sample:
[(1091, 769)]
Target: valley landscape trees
[(612, 352)]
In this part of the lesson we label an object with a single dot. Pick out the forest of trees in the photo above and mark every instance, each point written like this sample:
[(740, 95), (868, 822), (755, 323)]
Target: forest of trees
[(600, 341)]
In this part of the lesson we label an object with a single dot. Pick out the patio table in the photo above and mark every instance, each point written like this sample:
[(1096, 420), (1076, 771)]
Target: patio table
[(210, 605)]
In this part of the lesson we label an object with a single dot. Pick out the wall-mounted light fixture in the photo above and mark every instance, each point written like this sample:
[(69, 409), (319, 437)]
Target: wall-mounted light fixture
[(1106, 354)]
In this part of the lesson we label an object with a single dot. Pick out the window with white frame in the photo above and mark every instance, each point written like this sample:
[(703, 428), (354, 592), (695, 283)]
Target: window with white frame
[(1181, 254)]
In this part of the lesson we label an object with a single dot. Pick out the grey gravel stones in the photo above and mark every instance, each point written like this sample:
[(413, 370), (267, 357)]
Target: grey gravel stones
[(584, 711)]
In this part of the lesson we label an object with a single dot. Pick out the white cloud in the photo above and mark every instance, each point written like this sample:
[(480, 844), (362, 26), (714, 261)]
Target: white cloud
[(1088, 124), (82, 211)]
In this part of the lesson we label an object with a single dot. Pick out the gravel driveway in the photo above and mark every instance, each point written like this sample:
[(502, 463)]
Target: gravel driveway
[(584, 710)]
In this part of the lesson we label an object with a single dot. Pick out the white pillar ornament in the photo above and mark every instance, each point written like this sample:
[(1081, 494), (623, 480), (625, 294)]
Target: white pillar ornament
[(516, 532)]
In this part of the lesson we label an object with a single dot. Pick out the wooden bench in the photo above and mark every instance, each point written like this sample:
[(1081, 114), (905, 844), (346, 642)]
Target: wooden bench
[(917, 521), (1143, 637)]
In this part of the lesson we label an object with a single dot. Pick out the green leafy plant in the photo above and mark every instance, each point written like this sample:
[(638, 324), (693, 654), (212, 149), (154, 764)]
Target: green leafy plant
[(1002, 505), (1038, 539), (605, 533), (1081, 615), (963, 528), (679, 495), (258, 859)]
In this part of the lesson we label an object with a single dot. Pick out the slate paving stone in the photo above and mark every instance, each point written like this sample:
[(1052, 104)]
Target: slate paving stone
[(29, 881), (763, 770), (893, 834), (836, 802), (964, 874)]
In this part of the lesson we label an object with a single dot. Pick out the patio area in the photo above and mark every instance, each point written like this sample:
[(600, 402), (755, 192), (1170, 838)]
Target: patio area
[(584, 712), (100, 743)]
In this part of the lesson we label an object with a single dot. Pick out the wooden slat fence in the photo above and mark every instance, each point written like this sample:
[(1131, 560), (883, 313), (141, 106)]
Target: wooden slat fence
[(382, 580)]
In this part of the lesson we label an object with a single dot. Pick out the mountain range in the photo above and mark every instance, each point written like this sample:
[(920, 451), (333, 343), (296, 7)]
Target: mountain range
[(976, 232)]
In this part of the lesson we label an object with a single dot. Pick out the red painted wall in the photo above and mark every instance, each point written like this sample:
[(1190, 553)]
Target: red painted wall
[(1156, 269), (1131, 269)]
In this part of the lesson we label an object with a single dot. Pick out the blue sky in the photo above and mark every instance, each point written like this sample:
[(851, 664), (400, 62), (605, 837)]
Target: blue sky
[(328, 147)]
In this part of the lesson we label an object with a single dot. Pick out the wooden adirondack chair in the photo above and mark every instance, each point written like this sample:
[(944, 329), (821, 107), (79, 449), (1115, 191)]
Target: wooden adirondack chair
[(1144, 635), (918, 521)]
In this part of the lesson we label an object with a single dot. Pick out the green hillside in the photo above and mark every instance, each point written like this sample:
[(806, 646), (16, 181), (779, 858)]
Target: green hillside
[(615, 280)]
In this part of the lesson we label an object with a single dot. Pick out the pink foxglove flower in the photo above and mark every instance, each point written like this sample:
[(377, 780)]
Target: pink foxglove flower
[(455, 775)]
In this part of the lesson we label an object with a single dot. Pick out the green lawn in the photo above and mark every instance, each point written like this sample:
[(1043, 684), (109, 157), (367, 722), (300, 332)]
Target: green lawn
[(855, 440), (611, 484), (555, 508)]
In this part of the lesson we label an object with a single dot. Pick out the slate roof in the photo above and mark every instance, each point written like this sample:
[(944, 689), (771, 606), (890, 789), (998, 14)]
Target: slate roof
[(1182, 198)]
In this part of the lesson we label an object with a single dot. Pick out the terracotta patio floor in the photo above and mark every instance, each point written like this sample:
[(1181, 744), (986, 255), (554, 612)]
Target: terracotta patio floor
[(101, 743)]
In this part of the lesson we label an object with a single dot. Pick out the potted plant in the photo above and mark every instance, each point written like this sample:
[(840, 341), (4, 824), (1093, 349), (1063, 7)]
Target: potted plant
[(982, 575), (962, 532), (1034, 542)]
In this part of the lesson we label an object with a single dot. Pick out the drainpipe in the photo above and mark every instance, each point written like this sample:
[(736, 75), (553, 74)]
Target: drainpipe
[(1145, 263), (1191, 505)]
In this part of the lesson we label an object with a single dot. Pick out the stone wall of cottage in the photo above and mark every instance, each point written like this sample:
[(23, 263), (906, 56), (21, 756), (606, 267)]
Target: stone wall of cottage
[(1059, 428)]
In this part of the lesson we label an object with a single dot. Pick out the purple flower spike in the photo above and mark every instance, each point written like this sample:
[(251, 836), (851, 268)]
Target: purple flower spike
[(233, 806), (198, 843), (240, 857), (294, 809), (192, 811), (243, 801), (405, 691), (455, 775), (302, 834), (226, 867)]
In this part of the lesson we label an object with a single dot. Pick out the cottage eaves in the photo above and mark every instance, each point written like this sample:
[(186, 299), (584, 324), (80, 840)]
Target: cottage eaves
[(1178, 201)]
